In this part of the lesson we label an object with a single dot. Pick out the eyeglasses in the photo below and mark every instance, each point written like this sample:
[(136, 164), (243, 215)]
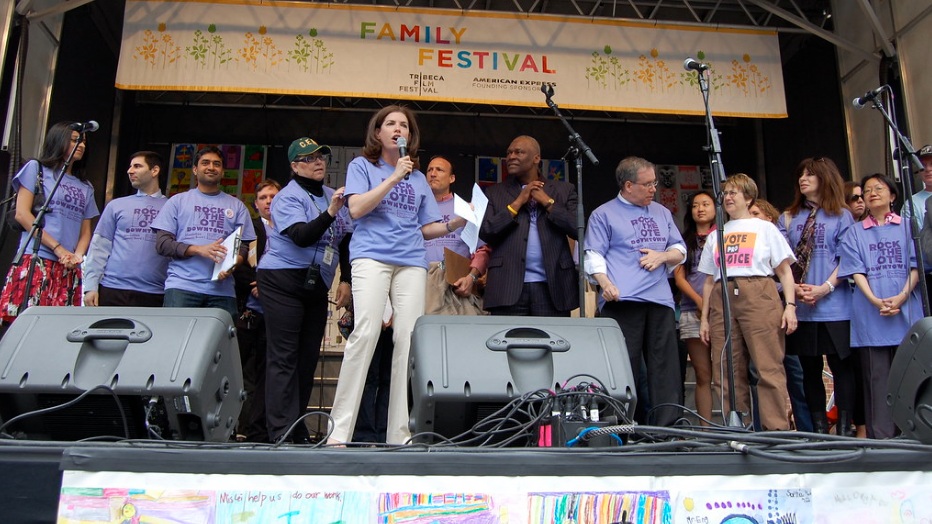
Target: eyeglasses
[(730, 193), (310, 159), (855, 198), (875, 190), (648, 185)]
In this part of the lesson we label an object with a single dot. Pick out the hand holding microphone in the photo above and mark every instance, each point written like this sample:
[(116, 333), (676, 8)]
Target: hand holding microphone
[(403, 150)]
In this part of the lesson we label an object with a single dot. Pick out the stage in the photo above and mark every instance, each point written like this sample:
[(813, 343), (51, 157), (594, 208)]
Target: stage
[(695, 481)]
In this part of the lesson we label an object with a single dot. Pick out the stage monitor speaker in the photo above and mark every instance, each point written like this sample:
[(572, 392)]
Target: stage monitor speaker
[(463, 368), (174, 367), (909, 394)]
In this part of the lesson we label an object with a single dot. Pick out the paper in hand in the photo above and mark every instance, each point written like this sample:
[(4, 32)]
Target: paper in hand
[(232, 244), (473, 215)]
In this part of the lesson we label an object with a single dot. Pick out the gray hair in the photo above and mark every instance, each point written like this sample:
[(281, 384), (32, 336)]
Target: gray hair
[(628, 169)]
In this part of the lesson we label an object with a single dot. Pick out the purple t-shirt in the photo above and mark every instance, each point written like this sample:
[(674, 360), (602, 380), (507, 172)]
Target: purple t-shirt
[(198, 219), (72, 203), (824, 259), (451, 241), (884, 254), (695, 278), (618, 231), (293, 205), (391, 233), (133, 263)]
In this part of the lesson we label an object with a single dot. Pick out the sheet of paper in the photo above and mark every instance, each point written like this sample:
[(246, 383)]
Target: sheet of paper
[(473, 215), (232, 244)]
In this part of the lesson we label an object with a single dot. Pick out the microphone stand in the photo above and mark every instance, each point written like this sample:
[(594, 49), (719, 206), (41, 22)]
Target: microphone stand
[(38, 226), (577, 145), (714, 149), (907, 150)]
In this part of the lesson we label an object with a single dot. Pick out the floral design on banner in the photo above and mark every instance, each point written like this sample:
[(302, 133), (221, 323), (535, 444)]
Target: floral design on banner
[(311, 55), (158, 49)]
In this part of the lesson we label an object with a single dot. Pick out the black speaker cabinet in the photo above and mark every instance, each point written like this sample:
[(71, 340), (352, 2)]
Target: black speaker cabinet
[(464, 368), (174, 367), (908, 389)]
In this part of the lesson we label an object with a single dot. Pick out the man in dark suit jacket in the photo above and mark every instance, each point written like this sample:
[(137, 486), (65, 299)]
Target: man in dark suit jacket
[(531, 270)]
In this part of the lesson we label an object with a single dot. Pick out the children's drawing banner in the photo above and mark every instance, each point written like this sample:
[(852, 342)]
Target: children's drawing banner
[(877, 497), (488, 57)]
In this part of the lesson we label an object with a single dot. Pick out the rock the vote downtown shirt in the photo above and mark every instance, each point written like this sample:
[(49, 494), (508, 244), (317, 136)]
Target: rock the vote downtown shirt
[(197, 219)]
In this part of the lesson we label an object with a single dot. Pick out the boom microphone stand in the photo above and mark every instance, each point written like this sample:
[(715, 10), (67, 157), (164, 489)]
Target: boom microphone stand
[(906, 149), (714, 149), (577, 146), (39, 224)]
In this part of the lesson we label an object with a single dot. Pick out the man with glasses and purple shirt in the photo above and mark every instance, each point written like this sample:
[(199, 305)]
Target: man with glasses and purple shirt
[(632, 244), (122, 268), (191, 229)]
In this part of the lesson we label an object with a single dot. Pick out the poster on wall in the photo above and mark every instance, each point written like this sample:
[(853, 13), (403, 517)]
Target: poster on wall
[(675, 186), (490, 170), (244, 166)]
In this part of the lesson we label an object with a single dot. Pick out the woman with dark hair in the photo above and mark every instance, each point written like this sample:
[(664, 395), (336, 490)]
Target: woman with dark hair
[(878, 253), (854, 200), (56, 280), (698, 222), (394, 211), (813, 225)]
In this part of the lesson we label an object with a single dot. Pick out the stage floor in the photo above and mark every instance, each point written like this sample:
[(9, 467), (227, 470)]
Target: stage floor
[(853, 481)]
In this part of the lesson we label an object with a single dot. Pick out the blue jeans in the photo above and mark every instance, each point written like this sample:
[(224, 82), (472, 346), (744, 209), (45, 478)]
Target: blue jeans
[(182, 298)]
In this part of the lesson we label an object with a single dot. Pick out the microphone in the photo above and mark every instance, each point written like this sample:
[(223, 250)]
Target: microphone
[(546, 89), (403, 150), (862, 101), (85, 127), (691, 64)]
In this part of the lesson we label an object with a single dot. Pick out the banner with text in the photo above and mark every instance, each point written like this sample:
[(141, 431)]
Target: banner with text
[(442, 55)]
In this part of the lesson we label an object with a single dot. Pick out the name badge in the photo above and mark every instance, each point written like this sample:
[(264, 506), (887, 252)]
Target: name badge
[(328, 255)]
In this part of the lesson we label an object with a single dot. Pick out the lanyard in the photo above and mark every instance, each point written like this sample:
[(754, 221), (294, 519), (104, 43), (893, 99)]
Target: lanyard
[(330, 228)]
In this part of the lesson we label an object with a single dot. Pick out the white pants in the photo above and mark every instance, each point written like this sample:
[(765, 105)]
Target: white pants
[(373, 283)]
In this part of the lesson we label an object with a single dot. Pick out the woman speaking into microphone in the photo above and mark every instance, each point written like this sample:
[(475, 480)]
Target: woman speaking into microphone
[(394, 211)]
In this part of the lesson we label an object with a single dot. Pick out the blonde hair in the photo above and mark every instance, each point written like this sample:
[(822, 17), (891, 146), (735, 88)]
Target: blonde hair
[(745, 184)]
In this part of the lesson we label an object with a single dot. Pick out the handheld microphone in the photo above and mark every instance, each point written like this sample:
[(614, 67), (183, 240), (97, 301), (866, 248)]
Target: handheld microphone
[(691, 64), (403, 149), (85, 127), (546, 89), (862, 101)]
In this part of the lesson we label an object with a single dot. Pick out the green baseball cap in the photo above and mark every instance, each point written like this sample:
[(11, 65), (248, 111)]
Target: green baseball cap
[(305, 146)]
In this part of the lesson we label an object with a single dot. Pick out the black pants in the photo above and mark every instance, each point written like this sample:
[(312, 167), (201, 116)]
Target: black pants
[(294, 322), (534, 301), (108, 296), (650, 334), (251, 335)]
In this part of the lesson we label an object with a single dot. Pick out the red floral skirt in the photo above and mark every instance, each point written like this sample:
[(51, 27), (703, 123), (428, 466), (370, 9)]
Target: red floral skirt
[(52, 285)]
